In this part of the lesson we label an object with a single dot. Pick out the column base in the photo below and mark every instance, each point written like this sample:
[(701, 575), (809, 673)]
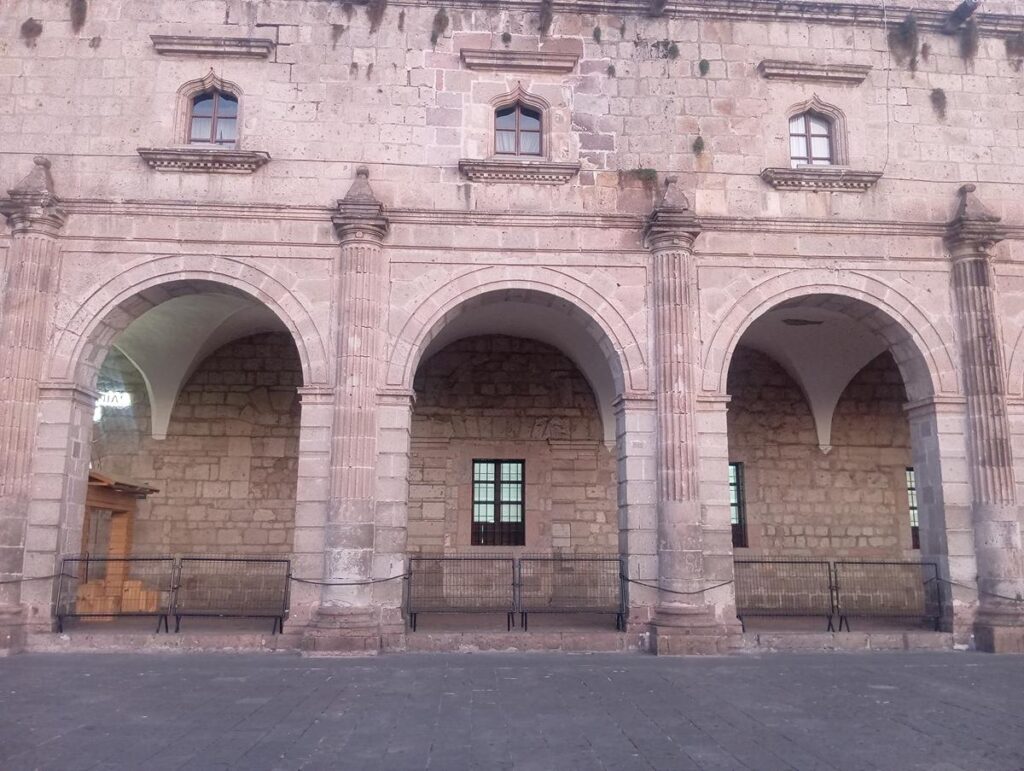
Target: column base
[(354, 630), (13, 629), (691, 630), (999, 631)]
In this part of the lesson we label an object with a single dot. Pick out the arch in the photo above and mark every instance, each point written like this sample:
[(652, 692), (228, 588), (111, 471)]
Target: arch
[(917, 345), (553, 308), (835, 116), (83, 341)]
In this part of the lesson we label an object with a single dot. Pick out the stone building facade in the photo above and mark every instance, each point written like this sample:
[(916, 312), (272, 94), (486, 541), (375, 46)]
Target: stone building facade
[(300, 264)]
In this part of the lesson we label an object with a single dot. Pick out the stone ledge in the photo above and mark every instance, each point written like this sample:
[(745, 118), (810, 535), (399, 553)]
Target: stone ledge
[(516, 170), (522, 61), (190, 45), (846, 74), (820, 178), (212, 161)]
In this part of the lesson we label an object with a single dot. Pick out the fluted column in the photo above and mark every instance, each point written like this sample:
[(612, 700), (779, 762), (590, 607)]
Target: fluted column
[(683, 622), (995, 514), (362, 278), (28, 288)]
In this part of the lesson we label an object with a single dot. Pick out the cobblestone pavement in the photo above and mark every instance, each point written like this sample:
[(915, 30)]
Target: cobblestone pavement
[(528, 711)]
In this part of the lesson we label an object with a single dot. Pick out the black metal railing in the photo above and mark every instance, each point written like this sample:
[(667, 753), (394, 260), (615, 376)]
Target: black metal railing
[(842, 588), (529, 584), (223, 587), (571, 584), (101, 587)]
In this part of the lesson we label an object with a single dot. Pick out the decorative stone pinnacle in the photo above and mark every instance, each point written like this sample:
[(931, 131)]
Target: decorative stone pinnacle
[(974, 229), (360, 215), (672, 223), (33, 204)]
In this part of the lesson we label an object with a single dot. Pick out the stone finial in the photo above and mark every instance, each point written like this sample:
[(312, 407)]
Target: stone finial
[(672, 224), (360, 214), (974, 229), (32, 203)]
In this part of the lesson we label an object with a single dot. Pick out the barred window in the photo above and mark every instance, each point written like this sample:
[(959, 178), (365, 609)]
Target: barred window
[(498, 503), (517, 131), (737, 506), (915, 529), (811, 140), (213, 119)]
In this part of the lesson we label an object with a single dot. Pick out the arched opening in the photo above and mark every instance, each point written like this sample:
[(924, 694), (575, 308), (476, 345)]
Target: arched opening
[(197, 413), (827, 465), (514, 452)]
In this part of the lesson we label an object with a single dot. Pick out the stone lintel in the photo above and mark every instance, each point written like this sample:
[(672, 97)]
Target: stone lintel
[(518, 170), (203, 160), (834, 178), (519, 61), (842, 74), (193, 45)]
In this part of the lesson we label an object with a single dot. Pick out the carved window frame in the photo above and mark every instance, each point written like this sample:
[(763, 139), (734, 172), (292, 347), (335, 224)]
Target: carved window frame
[(836, 119), (183, 114), (519, 98)]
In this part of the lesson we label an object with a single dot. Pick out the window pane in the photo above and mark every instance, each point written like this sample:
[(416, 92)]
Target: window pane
[(511, 472), (797, 147), (505, 142), (819, 126), (529, 120), (505, 118), (228, 106), (529, 143), (203, 105), (820, 147), (483, 472), (483, 512), (226, 130), (511, 493), (796, 125), (511, 513), (201, 129)]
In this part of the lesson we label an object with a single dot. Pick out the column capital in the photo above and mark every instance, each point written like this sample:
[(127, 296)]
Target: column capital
[(360, 216), (672, 225), (33, 206), (974, 230)]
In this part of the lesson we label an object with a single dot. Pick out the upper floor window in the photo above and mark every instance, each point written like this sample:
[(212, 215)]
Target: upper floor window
[(517, 130), (213, 119), (811, 140)]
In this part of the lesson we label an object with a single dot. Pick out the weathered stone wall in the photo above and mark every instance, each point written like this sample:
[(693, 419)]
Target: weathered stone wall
[(227, 469), (849, 503), (498, 397)]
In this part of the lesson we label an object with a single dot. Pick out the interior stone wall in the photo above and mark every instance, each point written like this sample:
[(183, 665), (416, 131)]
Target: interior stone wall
[(497, 397), (227, 470), (850, 502)]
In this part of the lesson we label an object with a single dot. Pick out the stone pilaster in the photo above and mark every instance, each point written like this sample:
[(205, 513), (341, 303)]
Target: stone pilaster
[(684, 623), (348, 618), (28, 289), (995, 515)]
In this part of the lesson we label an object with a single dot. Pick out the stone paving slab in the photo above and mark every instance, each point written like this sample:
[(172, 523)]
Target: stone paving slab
[(937, 711)]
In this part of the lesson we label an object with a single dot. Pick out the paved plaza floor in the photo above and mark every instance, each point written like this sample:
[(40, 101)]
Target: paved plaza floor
[(941, 711)]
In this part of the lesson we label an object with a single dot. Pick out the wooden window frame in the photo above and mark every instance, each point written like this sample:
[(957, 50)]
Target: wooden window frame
[(738, 510), (806, 136), (217, 94), (518, 108), (496, 532)]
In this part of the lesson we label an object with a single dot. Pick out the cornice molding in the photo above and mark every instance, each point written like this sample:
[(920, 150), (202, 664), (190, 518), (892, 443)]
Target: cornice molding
[(203, 160), (843, 74), (517, 170), (193, 45), (821, 178), (519, 61)]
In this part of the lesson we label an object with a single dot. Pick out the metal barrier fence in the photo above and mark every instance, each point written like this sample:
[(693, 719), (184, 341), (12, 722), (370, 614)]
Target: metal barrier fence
[(847, 589), (225, 587), (100, 587), (461, 585), (571, 584), (534, 584), (232, 587), (784, 588)]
